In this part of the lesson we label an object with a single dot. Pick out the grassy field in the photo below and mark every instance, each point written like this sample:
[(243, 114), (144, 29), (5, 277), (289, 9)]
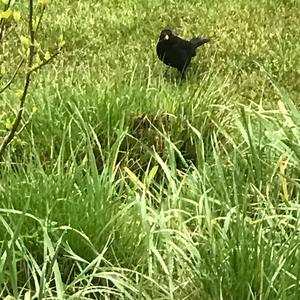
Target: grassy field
[(129, 184)]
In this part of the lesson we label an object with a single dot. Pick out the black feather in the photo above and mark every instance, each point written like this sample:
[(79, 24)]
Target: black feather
[(197, 42), (176, 52)]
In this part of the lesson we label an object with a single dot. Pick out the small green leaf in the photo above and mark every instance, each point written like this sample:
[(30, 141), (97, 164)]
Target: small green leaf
[(151, 175), (43, 2), (6, 14), (34, 24), (8, 124), (38, 60), (47, 55), (25, 40), (37, 45), (19, 93), (16, 15), (61, 42), (2, 69)]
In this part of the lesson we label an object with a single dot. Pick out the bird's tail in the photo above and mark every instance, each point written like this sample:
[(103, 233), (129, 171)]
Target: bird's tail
[(196, 42)]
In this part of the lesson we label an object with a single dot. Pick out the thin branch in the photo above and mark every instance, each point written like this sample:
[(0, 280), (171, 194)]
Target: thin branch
[(31, 31), (2, 21), (24, 125), (45, 62), (7, 32), (13, 77), (40, 19), (13, 131), (32, 37), (8, 139)]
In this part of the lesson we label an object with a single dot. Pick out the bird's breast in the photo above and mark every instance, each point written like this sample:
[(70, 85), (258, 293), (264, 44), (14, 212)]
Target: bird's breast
[(161, 50)]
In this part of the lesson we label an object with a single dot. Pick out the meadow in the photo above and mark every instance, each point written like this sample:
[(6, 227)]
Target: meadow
[(127, 183)]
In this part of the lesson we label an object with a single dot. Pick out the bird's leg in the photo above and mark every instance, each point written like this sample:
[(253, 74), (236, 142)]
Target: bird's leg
[(183, 74), (182, 71)]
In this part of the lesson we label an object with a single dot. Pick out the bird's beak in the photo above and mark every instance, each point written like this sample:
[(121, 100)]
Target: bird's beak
[(166, 37)]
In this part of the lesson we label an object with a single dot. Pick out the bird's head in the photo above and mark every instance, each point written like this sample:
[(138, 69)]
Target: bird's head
[(166, 35)]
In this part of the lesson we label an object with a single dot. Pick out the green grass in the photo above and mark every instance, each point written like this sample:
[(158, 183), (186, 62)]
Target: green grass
[(128, 184)]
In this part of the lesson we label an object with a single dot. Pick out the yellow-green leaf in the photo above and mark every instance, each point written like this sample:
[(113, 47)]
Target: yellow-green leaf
[(5, 1), (17, 15), (151, 175), (34, 109), (6, 14), (43, 2), (33, 67), (25, 40), (34, 24), (38, 60), (47, 55), (2, 70), (61, 41), (8, 124), (61, 44), (19, 93), (37, 45)]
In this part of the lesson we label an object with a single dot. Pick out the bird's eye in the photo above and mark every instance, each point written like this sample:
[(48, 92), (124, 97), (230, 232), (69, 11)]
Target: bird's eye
[(166, 37)]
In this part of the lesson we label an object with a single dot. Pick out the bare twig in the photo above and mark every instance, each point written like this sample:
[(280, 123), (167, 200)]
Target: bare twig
[(13, 77)]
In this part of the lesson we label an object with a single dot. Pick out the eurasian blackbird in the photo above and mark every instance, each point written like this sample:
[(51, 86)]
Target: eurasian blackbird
[(176, 52)]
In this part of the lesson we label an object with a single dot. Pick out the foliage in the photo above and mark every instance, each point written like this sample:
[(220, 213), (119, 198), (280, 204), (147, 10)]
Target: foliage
[(129, 184)]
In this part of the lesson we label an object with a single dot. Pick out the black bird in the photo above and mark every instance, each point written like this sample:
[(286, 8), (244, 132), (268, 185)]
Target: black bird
[(176, 52)]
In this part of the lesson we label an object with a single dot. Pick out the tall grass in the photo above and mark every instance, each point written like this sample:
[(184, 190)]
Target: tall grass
[(129, 184)]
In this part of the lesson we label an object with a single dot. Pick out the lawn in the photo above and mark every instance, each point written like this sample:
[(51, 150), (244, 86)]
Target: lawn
[(127, 183)]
